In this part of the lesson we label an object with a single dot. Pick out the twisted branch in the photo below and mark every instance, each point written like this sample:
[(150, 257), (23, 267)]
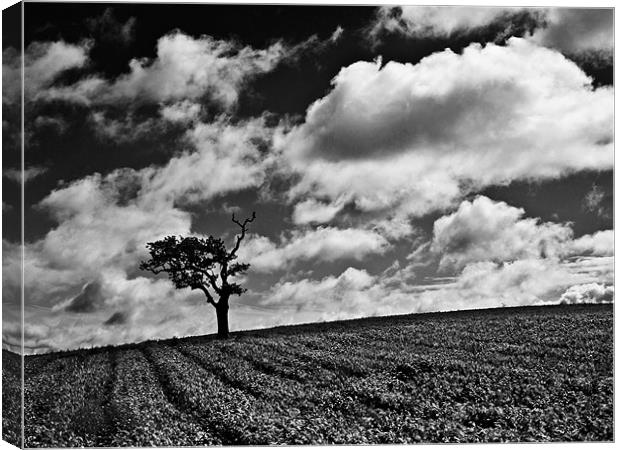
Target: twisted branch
[(243, 226)]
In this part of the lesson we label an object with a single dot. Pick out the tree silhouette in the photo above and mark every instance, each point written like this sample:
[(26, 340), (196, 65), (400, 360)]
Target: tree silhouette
[(203, 264)]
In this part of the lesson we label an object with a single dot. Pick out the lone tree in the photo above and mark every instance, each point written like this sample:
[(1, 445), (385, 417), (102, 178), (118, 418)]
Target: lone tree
[(202, 264)]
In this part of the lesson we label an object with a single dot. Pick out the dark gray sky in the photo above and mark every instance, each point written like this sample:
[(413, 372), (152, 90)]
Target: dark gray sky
[(398, 159)]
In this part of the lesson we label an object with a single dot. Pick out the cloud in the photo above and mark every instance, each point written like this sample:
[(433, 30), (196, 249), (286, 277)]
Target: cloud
[(103, 224), (484, 284), (355, 293), (372, 149), (494, 233), (123, 129), (87, 301), (118, 318), (499, 256), (104, 220), (183, 112), (110, 30), (34, 336), (313, 211), (576, 30), (145, 305), (143, 323), (87, 92), (436, 21), (322, 244), (415, 138), (231, 209), (601, 243), (588, 293), (312, 46), (57, 124), (591, 269), (43, 63), (113, 289), (232, 154), (569, 30), (185, 68), (85, 266), (11, 334), (337, 34), (187, 77), (488, 284), (484, 230), (522, 282), (593, 198), (306, 292), (528, 281), (29, 173), (593, 201), (352, 294), (138, 307)]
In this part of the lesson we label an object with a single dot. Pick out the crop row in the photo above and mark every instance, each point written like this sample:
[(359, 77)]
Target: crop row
[(324, 421), (66, 406), (231, 414), (467, 378), (373, 409), (537, 400), (141, 413)]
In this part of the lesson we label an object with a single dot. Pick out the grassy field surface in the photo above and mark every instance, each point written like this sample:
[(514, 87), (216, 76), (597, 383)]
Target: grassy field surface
[(11, 398), (516, 374)]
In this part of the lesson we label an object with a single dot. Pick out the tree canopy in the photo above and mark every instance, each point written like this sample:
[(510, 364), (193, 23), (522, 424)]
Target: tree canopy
[(201, 264)]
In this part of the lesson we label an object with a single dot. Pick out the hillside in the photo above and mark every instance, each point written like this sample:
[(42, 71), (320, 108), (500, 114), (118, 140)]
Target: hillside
[(515, 374)]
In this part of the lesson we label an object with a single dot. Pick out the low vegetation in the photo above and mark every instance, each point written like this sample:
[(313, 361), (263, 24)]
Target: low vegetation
[(11, 398), (517, 374)]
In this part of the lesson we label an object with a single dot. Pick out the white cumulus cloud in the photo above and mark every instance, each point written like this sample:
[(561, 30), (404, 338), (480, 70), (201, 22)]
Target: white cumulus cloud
[(184, 111), (184, 68), (322, 244), (43, 63), (588, 293), (600, 243), (415, 138), (436, 21), (570, 30), (28, 174), (485, 230)]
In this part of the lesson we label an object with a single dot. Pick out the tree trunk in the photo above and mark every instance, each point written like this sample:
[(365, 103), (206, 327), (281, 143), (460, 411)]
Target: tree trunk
[(222, 319)]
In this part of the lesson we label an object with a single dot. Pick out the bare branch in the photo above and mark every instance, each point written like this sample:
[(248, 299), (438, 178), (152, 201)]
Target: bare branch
[(243, 226)]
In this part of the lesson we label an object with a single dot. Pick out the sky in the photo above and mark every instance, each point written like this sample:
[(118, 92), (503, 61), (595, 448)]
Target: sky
[(399, 160)]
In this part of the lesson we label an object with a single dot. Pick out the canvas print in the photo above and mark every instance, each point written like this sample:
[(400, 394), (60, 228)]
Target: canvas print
[(306, 224)]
